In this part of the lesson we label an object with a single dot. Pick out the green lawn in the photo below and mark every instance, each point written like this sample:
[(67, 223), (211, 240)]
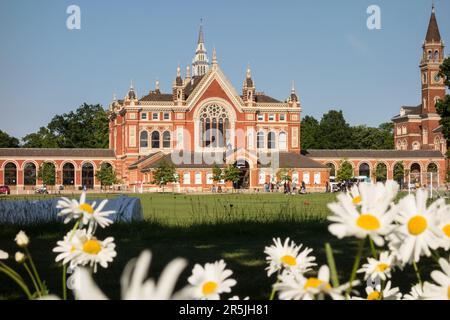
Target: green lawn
[(202, 228)]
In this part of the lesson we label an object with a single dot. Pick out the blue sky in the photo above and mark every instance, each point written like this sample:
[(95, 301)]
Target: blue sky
[(324, 45)]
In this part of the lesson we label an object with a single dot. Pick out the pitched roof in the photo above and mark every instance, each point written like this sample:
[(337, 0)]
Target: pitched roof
[(157, 96), (433, 33), (390, 154), (294, 160), (262, 98), (409, 111), (53, 152)]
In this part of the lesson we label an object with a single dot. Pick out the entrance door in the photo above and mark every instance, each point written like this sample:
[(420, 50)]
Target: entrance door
[(244, 180), (87, 175)]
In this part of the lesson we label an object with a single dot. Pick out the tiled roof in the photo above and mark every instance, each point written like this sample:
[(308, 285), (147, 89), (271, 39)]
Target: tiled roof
[(51, 152), (295, 160), (433, 33), (157, 96), (389, 154), (261, 98)]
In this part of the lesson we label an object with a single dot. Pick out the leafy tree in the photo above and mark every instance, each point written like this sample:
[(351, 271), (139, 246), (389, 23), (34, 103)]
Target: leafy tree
[(381, 172), (106, 175), (87, 127), (380, 138), (399, 171), (47, 174), (443, 106), (217, 173), (284, 175), (233, 174), (165, 173), (7, 141), (345, 171), (309, 133), (334, 131)]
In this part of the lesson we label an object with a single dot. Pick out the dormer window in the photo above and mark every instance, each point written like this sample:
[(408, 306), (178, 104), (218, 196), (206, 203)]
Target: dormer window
[(155, 116), (402, 112), (144, 116)]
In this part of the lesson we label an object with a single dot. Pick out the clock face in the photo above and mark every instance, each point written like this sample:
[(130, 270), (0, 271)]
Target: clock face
[(437, 77)]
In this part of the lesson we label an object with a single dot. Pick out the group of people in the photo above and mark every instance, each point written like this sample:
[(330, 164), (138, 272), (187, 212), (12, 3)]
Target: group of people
[(288, 187)]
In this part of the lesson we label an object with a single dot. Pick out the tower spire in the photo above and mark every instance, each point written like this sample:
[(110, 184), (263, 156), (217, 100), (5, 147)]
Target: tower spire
[(433, 34), (200, 63)]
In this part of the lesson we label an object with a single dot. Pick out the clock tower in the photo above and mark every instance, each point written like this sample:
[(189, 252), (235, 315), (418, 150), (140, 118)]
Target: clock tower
[(433, 88)]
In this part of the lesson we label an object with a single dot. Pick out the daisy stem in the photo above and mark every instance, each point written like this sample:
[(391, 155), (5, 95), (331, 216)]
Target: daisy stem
[(272, 295), (64, 269), (38, 291), (17, 279), (33, 267), (416, 269), (4, 266), (356, 264), (373, 249)]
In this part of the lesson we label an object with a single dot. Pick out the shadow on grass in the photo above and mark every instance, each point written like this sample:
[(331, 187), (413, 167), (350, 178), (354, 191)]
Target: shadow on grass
[(240, 244)]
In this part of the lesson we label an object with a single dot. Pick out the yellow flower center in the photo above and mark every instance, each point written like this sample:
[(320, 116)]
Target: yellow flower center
[(417, 225), (72, 249), (446, 230), (368, 222), (382, 267), (86, 207), (374, 296), (289, 260), (92, 246), (209, 287), (448, 293), (315, 283), (357, 200)]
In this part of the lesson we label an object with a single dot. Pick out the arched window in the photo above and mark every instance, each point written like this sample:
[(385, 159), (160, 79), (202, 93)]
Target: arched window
[(415, 175), (166, 139), (29, 174), (332, 169), (87, 175), (10, 174), (399, 173), (260, 140), (430, 55), (155, 140), (381, 172), (437, 143), (68, 174), (214, 124), (282, 141), (364, 170), (432, 167), (436, 55), (416, 145), (47, 173), (271, 140), (144, 139)]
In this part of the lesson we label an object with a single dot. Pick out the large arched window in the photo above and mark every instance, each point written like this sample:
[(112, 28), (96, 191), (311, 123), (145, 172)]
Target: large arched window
[(260, 140), (282, 141), (214, 124), (87, 175), (332, 169), (144, 139), (271, 140), (29, 174), (10, 174), (166, 139), (68, 174), (155, 140), (381, 172), (436, 55), (364, 170), (47, 173), (399, 173)]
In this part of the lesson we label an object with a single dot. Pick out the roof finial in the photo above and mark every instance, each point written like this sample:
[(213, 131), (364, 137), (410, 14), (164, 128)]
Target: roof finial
[(131, 84), (114, 97), (433, 9), (201, 38), (293, 87), (178, 71), (157, 85), (249, 72), (214, 57)]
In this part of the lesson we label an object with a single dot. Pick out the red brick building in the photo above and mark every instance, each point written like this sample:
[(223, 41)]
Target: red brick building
[(206, 121)]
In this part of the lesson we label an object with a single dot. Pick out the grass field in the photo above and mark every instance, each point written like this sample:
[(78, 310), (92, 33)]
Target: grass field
[(201, 228)]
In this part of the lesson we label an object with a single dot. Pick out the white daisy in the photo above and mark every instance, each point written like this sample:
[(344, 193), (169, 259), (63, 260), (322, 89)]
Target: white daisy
[(210, 281), (442, 222), (73, 209), (288, 256), (94, 251), (22, 239), (375, 293), (380, 267), (416, 233), (70, 247), (295, 286), (370, 215), (3, 255), (416, 293), (440, 290)]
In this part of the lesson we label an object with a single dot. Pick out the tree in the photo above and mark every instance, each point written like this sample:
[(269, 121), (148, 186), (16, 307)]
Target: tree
[(7, 141), (165, 173), (233, 174), (284, 175), (380, 138), (443, 106), (106, 175), (87, 127), (309, 133), (47, 174), (334, 131), (217, 173), (345, 171), (399, 172), (381, 172)]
